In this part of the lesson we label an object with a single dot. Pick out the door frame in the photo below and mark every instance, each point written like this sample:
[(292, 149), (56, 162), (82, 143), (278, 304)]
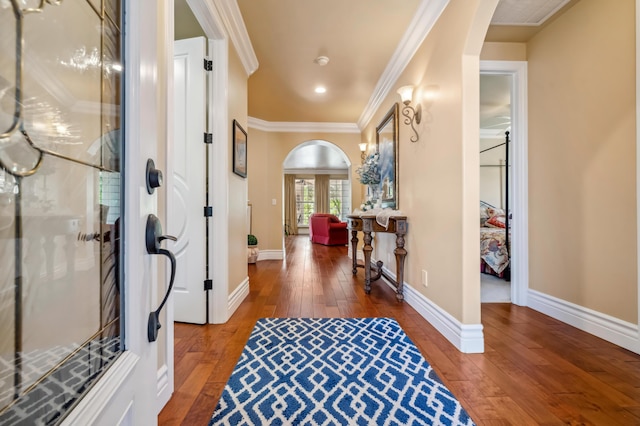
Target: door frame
[(519, 185), (217, 121)]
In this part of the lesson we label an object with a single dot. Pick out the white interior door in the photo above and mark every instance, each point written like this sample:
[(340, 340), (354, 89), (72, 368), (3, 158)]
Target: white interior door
[(188, 198)]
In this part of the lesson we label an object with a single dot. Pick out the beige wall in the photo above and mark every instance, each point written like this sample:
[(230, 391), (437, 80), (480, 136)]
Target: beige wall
[(582, 190), (267, 152), (237, 194), (493, 51), (436, 191)]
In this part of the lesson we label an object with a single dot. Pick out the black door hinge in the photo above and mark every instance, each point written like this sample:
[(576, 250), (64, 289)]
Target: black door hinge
[(208, 138), (208, 65), (208, 285), (208, 211)]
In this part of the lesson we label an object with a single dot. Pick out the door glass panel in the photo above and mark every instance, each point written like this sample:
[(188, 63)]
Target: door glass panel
[(60, 209)]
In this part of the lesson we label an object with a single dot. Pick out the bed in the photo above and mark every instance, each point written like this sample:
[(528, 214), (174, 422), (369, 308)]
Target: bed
[(494, 247)]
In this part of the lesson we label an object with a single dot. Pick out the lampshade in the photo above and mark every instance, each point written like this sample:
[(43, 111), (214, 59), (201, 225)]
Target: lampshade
[(363, 146), (406, 94)]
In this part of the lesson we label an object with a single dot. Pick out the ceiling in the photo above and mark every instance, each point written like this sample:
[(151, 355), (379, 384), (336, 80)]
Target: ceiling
[(358, 36), (361, 39)]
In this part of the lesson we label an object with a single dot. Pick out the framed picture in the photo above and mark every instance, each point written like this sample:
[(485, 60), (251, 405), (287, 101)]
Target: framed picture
[(387, 146), (239, 150)]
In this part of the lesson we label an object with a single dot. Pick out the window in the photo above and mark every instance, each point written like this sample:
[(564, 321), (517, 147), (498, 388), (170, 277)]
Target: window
[(339, 198), (305, 200), (60, 247)]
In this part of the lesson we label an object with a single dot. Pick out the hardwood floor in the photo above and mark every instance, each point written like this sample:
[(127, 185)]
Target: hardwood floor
[(535, 370)]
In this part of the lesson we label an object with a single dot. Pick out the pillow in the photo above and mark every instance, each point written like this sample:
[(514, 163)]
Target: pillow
[(494, 211), (484, 214), (496, 222)]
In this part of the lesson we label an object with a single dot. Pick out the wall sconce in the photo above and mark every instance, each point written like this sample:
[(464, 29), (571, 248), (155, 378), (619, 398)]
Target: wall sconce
[(413, 115), (363, 149)]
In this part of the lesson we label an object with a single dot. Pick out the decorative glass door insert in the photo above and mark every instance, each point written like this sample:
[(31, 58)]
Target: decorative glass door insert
[(60, 209)]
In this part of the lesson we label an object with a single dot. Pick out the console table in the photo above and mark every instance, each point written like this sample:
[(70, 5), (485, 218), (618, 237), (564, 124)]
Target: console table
[(368, 224)]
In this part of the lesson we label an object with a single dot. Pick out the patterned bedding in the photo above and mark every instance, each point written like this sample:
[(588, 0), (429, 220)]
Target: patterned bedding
[(493, 248)]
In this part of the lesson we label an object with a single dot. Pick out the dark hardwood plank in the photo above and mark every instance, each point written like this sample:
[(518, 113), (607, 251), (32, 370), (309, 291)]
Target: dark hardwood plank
[(535, 369)]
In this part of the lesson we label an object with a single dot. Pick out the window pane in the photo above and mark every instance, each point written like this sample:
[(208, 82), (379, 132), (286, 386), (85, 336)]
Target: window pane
[(305, 200), (339, 198), (60, 205)]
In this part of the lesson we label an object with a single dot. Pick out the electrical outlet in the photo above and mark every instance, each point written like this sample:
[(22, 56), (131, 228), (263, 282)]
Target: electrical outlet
[(425, 282), (388, 258)]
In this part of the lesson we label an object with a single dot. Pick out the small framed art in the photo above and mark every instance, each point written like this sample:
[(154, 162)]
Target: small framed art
[(239, 150)]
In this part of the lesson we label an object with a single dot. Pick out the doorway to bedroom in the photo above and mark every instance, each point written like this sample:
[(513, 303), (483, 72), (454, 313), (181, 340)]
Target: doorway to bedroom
[(495, 191), (503, 180)]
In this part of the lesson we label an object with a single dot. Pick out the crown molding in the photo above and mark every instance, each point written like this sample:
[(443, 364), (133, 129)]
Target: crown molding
[(208, 18), (335, 172), (233, 22), (291, 127), (423, 21)]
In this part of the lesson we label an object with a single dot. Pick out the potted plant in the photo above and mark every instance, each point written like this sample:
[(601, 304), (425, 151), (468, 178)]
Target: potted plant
[(252, 251)]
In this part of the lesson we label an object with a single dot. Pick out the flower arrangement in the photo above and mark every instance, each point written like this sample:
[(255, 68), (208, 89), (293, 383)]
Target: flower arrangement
[(370, 171), (367, 205)]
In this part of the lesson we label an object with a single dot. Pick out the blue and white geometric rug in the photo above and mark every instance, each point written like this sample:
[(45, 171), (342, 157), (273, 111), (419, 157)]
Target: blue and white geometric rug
[(334, 371)]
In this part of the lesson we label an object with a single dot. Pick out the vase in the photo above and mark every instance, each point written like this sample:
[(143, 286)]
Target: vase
[(374, 194), (252, 253)]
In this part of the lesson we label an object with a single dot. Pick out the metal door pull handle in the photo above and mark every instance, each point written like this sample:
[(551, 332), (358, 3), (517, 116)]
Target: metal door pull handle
[(153, 239)]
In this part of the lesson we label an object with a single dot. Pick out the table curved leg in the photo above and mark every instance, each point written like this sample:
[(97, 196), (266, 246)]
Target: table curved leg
[(367, 249), (354, 251), (400, 253)]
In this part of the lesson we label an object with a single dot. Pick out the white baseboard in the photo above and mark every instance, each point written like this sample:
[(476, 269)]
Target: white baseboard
[(468, 338), (359, 254), (238, 295), (270, 255), (606, 327), (164, 388)]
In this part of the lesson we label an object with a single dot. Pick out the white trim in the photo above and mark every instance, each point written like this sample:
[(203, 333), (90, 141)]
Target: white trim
[(606, 327), (219, 175), (91, 407), (359, 253), (423, 21), (270, 255), (164, 384), (214, 28), (208, 18), (293, 127), (335, 172), (238, 295), (638, 164), (233, 22), (519, 185), (165, 376), (468, 338)]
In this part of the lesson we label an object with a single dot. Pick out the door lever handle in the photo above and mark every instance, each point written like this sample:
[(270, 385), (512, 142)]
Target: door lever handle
[(153, 238)]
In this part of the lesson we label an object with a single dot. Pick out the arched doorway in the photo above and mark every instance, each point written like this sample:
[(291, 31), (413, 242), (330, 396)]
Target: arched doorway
[(317, 179)]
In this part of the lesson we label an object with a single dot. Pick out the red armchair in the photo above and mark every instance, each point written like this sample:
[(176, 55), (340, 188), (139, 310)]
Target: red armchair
[(328, 230)]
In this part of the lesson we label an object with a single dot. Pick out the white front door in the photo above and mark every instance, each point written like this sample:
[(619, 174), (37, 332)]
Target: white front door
[(128, 392), (83, 105), (187, 201)]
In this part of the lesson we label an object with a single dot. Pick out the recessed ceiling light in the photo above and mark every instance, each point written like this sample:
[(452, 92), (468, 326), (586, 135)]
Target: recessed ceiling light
[(321, 60), (320, 89)]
